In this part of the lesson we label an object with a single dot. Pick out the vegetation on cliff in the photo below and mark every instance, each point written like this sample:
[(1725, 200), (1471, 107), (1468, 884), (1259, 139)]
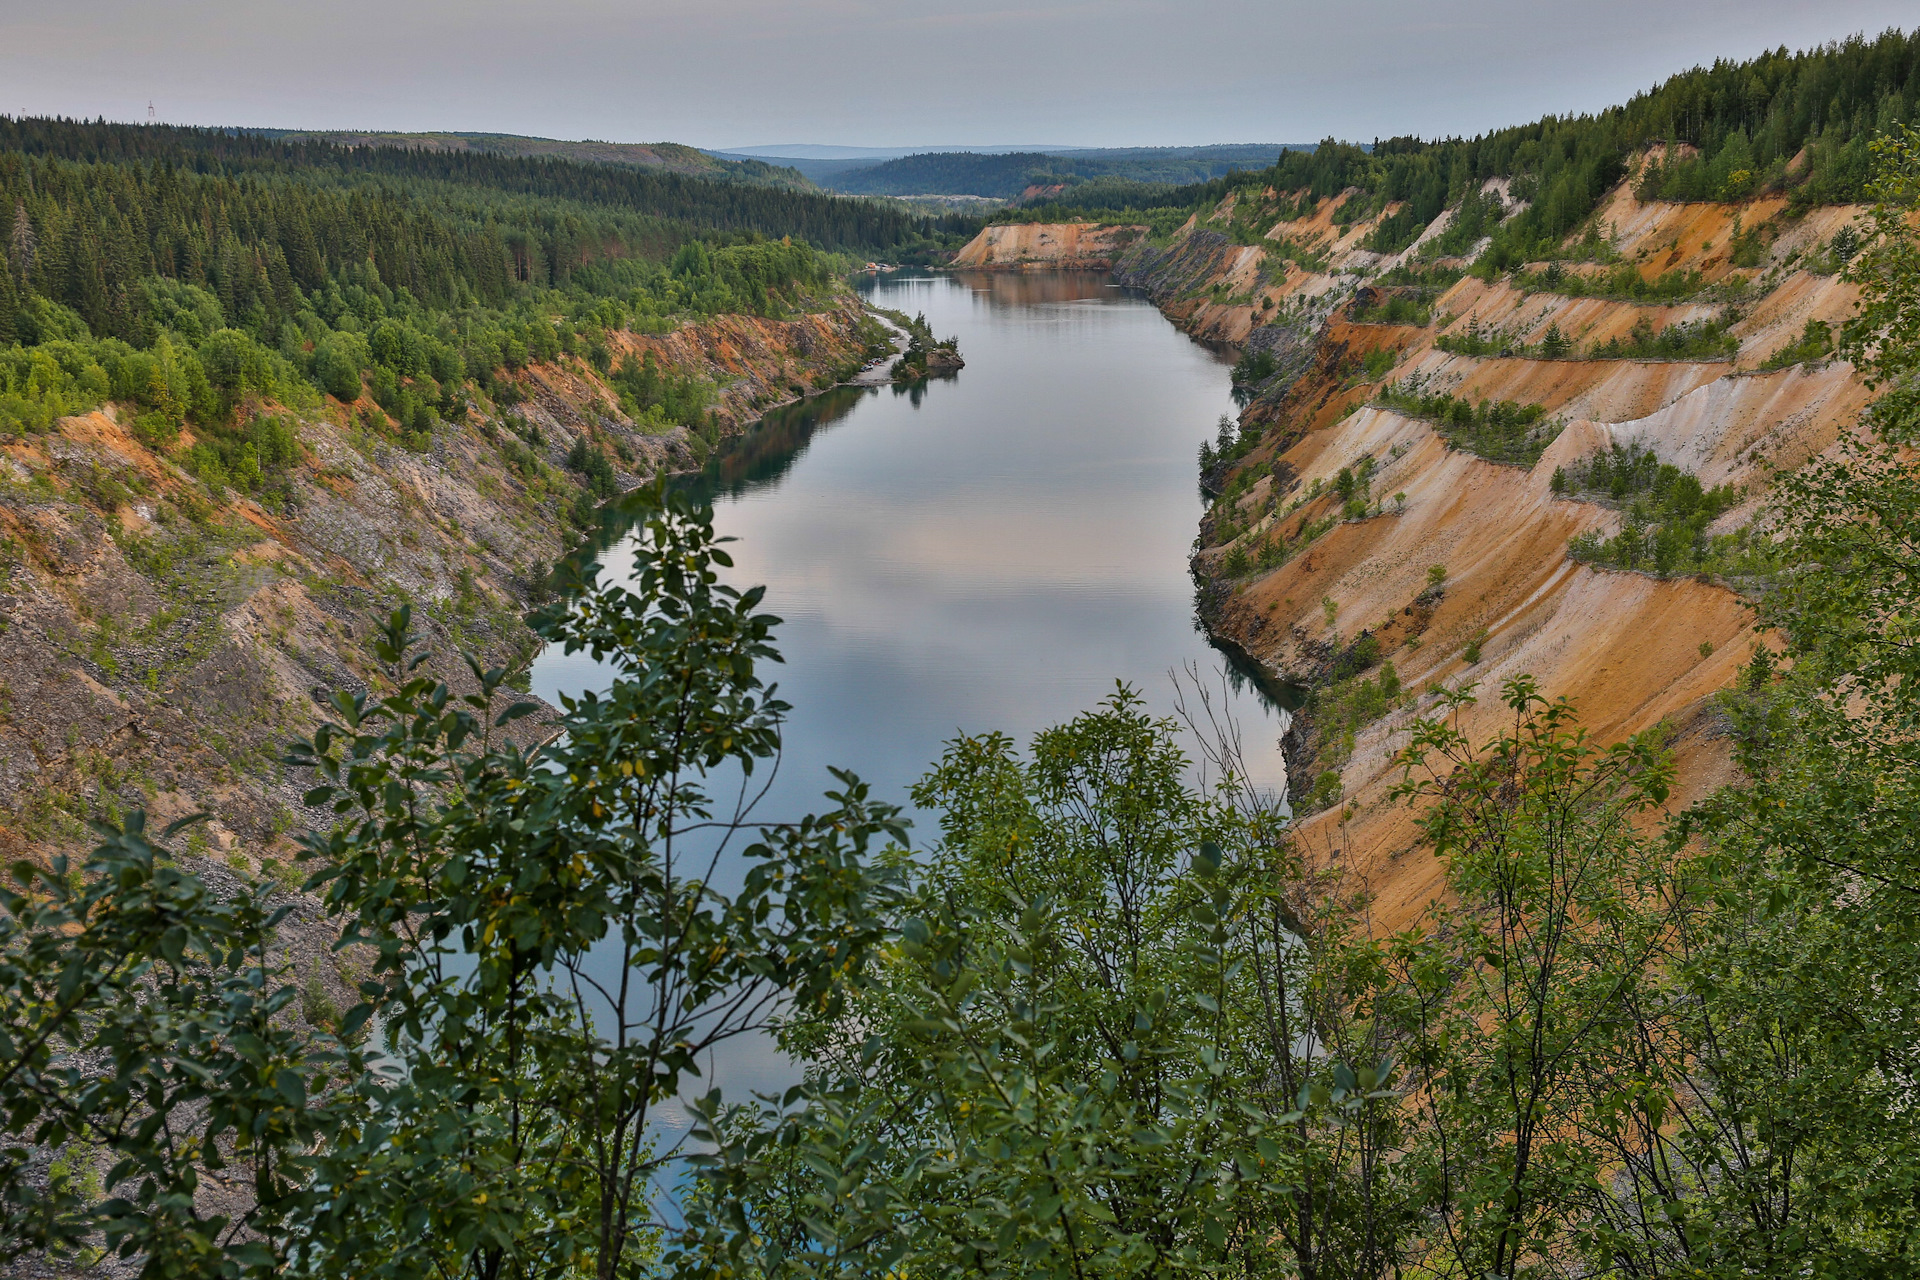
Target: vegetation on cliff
[(1689, 340), (186, 287), (1666, 515), (1795, 123), (1498, 430), (1109, 1022)]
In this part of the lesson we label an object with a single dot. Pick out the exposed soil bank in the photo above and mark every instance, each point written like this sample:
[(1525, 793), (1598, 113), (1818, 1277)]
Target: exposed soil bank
[(164, 639), (1632, 650), (1070, 246)]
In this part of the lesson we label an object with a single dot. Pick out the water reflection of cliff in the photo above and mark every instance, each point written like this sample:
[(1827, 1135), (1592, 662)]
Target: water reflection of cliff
[(761, 457), (1012, 289)]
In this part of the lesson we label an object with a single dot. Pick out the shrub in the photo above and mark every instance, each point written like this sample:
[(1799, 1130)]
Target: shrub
[(1814, 343), (1666, 516), (1498, 430), (1686, 340)]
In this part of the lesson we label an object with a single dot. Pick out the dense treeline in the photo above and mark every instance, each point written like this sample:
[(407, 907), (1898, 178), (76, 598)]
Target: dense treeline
[(704, 204), (1735, 129), (186, 269), (1007, 176)]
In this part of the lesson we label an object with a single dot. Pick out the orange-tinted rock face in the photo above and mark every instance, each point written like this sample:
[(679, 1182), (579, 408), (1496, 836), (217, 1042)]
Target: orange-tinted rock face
[(1631, 649), (1043, 246)]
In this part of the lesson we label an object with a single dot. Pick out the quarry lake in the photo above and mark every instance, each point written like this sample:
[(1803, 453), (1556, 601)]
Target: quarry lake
[(987, 552)]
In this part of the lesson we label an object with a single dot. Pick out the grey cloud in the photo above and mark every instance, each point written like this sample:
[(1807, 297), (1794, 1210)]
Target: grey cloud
[(740, 72)]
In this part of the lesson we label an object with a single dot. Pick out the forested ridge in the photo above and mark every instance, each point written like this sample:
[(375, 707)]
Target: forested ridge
[(1795, 123), (1007, 175), (184, 270), (704, 203)]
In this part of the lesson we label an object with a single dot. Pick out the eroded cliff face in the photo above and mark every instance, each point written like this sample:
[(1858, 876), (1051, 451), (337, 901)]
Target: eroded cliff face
[(163, 640), (1039, 246), (1634, 650)]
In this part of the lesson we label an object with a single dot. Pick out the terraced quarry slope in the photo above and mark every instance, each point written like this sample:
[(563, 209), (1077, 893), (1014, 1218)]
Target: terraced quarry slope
[(1347, 588), (165, 638)]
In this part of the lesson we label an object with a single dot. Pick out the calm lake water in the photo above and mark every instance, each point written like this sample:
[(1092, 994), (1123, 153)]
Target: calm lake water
[(987, 552)]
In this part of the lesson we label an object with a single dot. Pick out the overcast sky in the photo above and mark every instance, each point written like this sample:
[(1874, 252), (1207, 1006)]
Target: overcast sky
[(724, 73)]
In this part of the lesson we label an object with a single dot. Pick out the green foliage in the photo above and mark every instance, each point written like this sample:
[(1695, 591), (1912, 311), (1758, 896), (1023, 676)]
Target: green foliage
[(1061, 1068), (500, 1124), (1667, 514), (1254, 368), (1814, 343), (1747, 119), (140, 1028), (922, 346), (285, 270), (1815, 851), (657, 398), (1499, 430), (1112, 1023), (1474, 219), (1477, 341), (1339, 710), (1394, 309), (490, 908), (1230, 444), (1522, 1067), (1883, 336), (1622, 283), (591, 462), (1686, 340), (254, 459)]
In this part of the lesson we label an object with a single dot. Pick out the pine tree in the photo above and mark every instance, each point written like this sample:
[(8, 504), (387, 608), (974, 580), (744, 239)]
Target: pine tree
[(9, 309), (22, 244)]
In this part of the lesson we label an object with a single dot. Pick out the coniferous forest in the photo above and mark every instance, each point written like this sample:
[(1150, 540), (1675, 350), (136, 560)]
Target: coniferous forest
[(1795, 123), (231, 264)]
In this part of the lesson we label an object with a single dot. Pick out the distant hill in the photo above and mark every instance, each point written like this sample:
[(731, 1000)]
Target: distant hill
[(1009, 176), (650, 155)]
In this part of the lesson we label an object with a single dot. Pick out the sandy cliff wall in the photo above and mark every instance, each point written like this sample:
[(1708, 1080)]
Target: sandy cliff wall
[(1632, 649), (1037, 246)]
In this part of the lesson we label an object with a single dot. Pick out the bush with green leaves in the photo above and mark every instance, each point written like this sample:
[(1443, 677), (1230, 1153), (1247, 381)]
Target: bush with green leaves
[(1682, 340), (1814, 343), (1394, 309), (1091, 1051), (553, 960), (143, 1031), (1623, 283)]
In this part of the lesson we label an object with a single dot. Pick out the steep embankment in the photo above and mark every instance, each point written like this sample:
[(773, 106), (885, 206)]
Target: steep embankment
[(1067, 246), (165, 637), (1318, 576)]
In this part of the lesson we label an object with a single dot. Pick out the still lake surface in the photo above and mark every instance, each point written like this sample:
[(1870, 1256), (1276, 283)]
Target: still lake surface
[(987, 552)]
